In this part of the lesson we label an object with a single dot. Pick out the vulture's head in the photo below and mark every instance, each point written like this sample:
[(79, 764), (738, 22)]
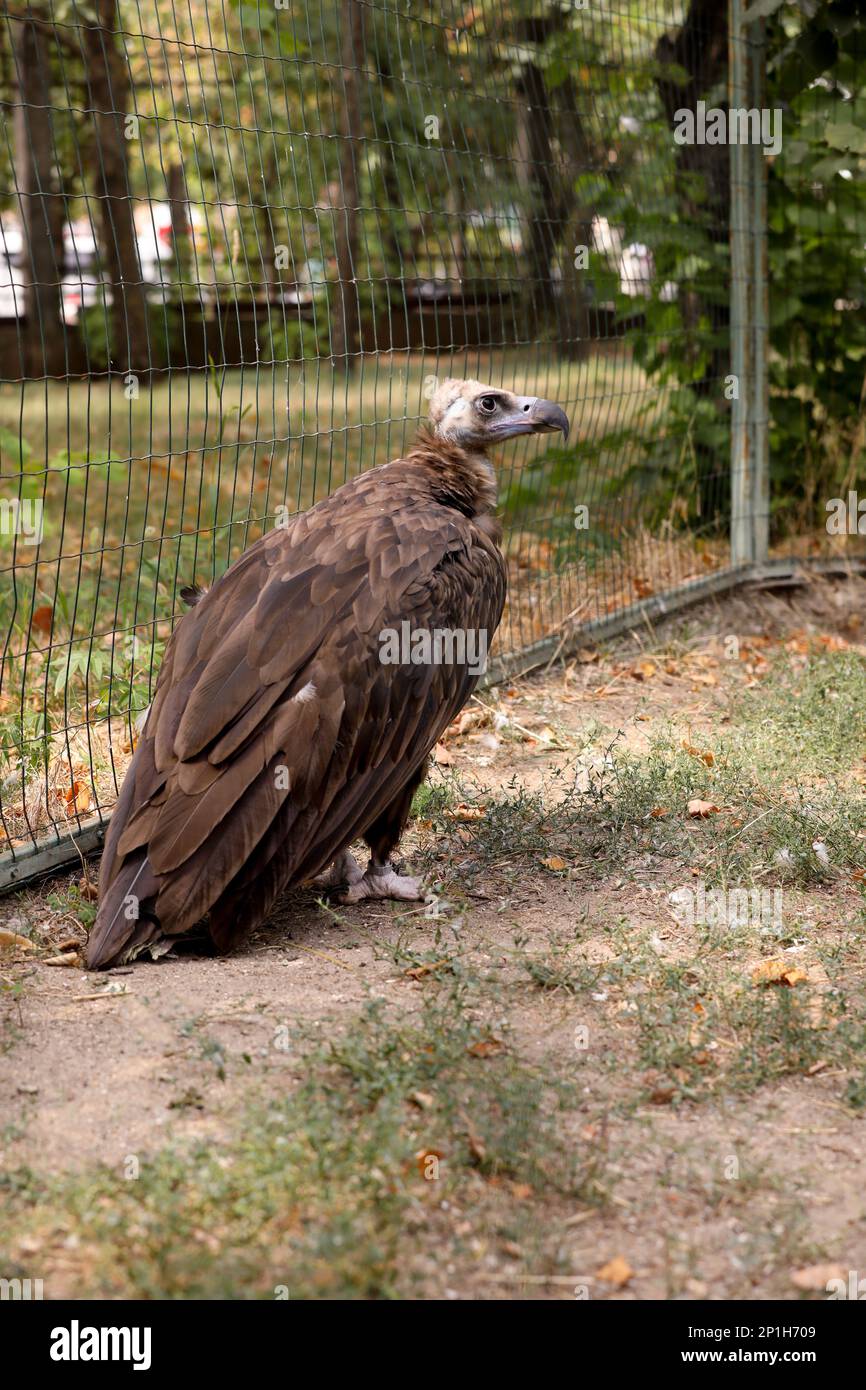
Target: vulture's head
[(475, 416)]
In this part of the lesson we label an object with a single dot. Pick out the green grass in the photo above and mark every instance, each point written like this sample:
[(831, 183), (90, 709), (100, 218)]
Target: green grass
[(322, 1191), (786, 775), (696, 1027), (316, 1187)]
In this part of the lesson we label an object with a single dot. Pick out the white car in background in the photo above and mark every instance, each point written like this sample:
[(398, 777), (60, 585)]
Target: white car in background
[(11, 275), (154, 237), (83, 284)]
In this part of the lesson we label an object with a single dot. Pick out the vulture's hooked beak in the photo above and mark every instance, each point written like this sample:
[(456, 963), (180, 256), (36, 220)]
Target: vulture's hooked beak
[(530, 415)]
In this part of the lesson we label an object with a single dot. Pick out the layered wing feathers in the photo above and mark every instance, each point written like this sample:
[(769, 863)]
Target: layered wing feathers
[(277, 667)]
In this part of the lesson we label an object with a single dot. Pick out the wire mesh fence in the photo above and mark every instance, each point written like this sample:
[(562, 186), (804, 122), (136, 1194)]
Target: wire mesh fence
[(240, 243)]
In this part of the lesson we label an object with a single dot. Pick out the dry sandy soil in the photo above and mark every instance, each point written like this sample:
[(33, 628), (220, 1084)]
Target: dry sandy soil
[(632, 1110)]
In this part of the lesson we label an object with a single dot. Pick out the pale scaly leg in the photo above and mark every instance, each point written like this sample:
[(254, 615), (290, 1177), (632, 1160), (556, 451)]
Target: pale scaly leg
[(345, 869), (382, 881)]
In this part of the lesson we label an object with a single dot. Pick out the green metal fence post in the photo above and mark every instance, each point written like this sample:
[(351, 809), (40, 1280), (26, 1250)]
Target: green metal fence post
[(759, 396), (750, 498), (741, 343)]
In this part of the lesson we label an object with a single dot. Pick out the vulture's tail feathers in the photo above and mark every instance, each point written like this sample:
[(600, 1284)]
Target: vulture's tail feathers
[(124, 925)]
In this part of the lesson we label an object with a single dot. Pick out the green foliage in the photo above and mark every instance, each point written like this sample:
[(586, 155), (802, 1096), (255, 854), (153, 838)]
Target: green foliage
[(817, 251), (673, 460), (311, 1193), (98, 329), (294, 340)]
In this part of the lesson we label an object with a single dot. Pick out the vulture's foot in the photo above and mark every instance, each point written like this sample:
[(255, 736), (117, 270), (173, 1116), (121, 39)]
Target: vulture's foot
[(344, 870), (381, 881)]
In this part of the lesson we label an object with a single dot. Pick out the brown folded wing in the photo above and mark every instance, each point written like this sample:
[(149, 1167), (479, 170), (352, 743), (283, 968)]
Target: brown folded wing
[(277, 735)]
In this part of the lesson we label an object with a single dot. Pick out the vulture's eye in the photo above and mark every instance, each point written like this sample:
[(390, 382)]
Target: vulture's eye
[(487, 404)]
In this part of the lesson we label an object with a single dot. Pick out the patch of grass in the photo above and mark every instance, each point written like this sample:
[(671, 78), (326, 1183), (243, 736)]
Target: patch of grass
[(323, 1191), (434, 798), (560, 968), (72, 902), (786, 775), (734, 1036), (697, 1027), (814, 708)]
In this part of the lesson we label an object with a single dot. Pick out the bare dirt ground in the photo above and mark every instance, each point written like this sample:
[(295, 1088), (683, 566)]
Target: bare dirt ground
[(549, 1082)]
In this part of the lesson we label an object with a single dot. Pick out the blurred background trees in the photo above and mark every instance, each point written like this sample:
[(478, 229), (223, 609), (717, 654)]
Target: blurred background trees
[(271, 182)]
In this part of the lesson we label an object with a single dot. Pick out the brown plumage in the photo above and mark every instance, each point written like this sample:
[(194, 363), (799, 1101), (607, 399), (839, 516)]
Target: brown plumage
[(277, 735)]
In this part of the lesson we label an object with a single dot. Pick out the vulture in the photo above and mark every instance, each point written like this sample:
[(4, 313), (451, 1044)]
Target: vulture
[(295, 709)]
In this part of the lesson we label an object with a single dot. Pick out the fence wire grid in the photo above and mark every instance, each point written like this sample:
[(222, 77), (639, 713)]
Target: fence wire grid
[(240, 243)]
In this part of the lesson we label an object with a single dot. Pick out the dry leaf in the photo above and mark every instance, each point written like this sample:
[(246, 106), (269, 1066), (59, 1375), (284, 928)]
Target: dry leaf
[(554, 863), (815, 1278), (442, 756), (777, 972), (617, 1272), (43, 618), (703, 753), (663, 1095), (422, 1099), (423, 1157), (486, 1047), (417, 972), (521, 1190), (659, 812), (468, 719), (78, 799), (701, 809), (71, 960), (10, 939), (88, 890), (463, 812)]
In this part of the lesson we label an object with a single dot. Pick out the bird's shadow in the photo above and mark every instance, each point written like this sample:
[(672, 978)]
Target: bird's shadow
[(301, 917)]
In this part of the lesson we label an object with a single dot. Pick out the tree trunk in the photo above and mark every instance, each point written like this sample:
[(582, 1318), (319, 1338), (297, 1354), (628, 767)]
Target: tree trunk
[(556, 227), (44, 346), (537, 174), (109, 99), (181, 227), (345, 330), (700, 48)]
